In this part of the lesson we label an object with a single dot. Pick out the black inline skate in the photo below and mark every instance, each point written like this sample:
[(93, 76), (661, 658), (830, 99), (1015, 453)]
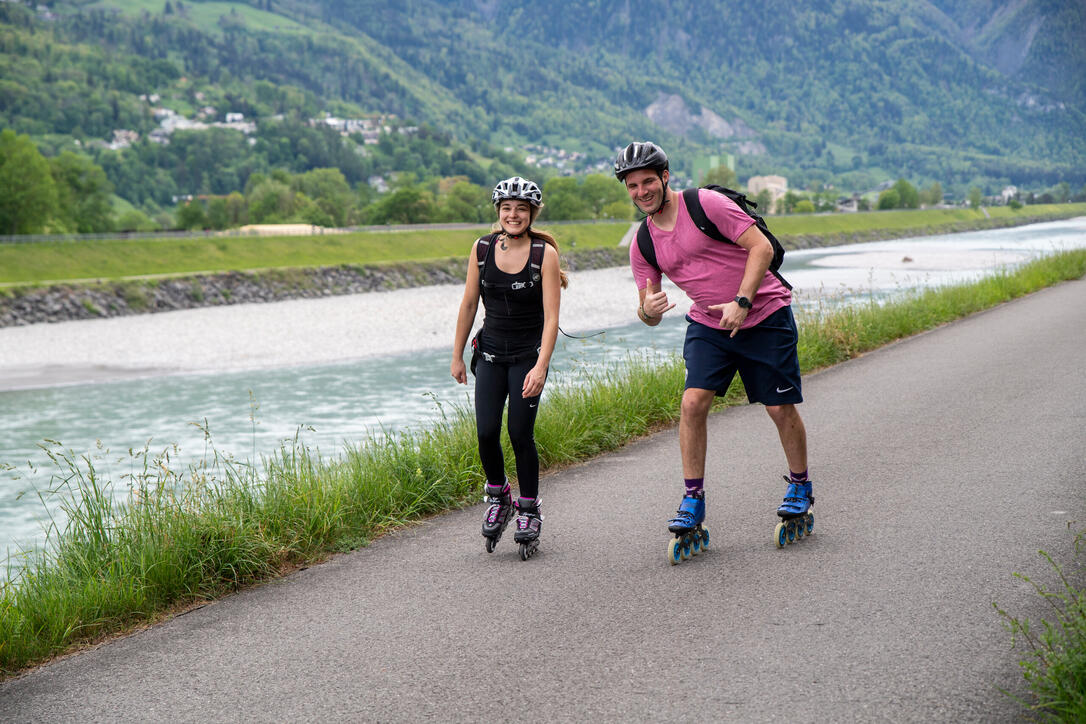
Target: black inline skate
[(498, 514), (529, 526)]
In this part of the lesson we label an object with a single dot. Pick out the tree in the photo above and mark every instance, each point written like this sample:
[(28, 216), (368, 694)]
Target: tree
[(191, 216), (722, 176), (408, 204), (237, 211), (465, 201), (889, 199), (28, 195), (787, 203), (1062, 192), (84, 194), (135, 220), (975, 197), (908, 197), (271, 201), (805, 206), (564, 199), (764, 199), (599, 191), (217, 215), (932, 195), (329, 190)]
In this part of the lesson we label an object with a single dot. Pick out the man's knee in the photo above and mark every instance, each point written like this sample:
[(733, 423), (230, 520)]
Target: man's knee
[(696, 403), (781, 414)]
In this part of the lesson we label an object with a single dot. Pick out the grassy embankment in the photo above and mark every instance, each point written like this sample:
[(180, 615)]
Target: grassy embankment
[(191, 535), (46, 262)]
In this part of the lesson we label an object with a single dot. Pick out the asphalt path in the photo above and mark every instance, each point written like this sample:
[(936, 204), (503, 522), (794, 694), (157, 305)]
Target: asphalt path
[(942, 465)]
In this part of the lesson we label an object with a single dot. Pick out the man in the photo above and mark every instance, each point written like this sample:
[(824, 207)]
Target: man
[(740, 321)]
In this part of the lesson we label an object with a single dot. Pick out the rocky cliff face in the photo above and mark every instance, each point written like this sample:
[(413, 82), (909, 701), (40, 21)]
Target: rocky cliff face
[(673, 114)]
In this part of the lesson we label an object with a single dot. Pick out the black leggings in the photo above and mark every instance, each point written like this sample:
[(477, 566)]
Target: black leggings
[(494, 383)]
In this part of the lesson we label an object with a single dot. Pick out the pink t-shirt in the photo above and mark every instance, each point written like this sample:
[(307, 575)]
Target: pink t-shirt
[(709, 271)]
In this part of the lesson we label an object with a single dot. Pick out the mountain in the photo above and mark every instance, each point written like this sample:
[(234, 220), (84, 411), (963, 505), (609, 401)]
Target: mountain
[(851, 92)]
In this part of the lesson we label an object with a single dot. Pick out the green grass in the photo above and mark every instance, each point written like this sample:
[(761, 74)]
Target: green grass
[(1054, 666), (117, 259), (920, 220), (157, 539)]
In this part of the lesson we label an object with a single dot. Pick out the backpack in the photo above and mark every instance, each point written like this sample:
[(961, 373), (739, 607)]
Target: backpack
[(482, 251), (707, 227), (535, 258)]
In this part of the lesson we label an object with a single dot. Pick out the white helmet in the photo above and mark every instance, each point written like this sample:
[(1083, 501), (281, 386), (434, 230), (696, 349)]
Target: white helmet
[(517, 188)]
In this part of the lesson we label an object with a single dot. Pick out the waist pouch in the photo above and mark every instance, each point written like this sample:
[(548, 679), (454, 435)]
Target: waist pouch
[(501, 359)]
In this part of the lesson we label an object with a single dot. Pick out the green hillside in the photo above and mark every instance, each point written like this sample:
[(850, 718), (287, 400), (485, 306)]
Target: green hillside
[(843, 93)]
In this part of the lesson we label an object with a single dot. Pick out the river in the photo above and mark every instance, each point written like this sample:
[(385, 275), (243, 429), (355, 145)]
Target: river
[(395, 378)]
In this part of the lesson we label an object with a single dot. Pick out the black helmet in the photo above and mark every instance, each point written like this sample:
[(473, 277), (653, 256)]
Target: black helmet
[(517, 188), (638, 155)]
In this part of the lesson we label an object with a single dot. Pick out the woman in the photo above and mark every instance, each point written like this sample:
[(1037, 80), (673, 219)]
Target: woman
[(516, 272)]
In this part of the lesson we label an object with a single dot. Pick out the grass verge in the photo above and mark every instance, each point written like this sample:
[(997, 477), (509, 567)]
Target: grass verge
[(1054, 666), (153, 539)]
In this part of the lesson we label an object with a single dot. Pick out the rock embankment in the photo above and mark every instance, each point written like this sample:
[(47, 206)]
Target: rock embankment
[(34, 305), (65, 302)]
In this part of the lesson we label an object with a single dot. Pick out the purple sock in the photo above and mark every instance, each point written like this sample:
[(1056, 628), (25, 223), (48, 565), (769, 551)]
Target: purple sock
[(798, 477), (694, 486)]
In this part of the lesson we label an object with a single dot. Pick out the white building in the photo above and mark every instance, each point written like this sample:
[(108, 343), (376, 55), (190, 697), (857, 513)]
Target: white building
[(777, 186)]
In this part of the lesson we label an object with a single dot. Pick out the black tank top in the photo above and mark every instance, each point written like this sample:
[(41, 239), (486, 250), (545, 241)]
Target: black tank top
[(513, 325)]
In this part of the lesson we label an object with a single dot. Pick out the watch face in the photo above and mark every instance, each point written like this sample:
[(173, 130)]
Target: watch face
[(743, 302)]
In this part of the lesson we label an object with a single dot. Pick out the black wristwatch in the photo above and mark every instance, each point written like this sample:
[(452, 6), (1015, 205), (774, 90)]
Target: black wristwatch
[(743, 302)]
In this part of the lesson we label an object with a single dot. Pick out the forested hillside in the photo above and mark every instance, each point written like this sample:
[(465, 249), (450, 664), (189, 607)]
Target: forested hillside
[(173, 98)]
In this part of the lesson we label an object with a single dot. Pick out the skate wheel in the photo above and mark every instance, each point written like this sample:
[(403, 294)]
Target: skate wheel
[(695, 543), (790, 527), (490, 543), (780, 533), (686, 547), (801, 526), (704, 539), (525, 553), (674, 552), (810, 523)]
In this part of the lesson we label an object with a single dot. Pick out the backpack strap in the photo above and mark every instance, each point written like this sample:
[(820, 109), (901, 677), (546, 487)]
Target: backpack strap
[(535, 258), (644, 245), (707, 227), (482, 250), (485, 246), (700, 219)]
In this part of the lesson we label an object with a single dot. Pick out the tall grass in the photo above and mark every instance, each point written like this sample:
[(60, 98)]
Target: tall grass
[(154, 539), (1055, 653)]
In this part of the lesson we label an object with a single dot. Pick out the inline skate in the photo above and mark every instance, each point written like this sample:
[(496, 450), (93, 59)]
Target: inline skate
[(529, 526), (498, 514), (691, 538), (797, 520)]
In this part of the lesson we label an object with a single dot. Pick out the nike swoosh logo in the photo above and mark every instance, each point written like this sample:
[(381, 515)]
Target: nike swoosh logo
[(531, 405), (786, 389)]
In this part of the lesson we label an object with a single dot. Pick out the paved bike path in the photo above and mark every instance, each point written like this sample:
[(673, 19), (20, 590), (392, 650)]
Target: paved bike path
[(942, 465)]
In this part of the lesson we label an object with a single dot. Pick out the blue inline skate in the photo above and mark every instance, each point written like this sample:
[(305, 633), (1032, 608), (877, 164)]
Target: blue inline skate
[(498, 514), (797, 520), (690, 537), (529, 526)]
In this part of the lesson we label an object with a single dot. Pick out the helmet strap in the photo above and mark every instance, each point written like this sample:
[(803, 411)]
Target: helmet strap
[(664, 199)]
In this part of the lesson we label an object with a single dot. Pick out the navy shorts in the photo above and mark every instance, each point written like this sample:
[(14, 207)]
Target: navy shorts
[(764, 356)]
